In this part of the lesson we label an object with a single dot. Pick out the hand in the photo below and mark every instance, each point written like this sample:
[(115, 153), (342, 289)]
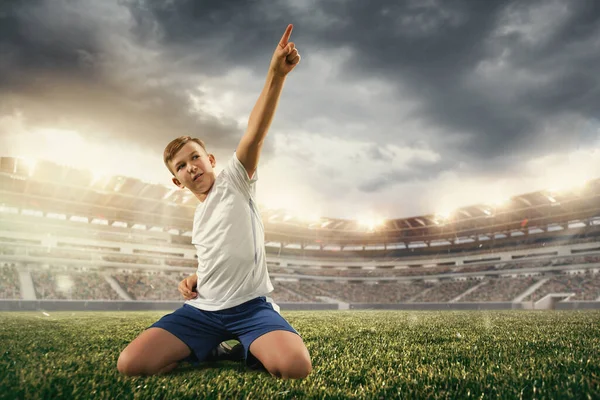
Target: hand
[(286, 55), (187, 287)]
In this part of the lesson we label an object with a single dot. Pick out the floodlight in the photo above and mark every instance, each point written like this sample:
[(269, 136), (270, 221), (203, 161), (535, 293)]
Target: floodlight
[(442, 217), (445, 214), (96, 176), (576, 182), (30, 164), (371, 222), (501, 202), (580, 184)]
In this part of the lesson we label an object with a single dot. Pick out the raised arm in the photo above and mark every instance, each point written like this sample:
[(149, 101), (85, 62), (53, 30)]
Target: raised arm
[(284, 59)]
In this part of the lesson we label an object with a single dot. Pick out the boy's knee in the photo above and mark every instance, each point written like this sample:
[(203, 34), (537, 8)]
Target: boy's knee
[(301, 368), (127, 365), (293, 367)]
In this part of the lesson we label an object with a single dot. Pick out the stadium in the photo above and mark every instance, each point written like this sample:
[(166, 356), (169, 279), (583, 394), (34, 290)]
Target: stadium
[(74, 241), (429, 306), (468, 132)]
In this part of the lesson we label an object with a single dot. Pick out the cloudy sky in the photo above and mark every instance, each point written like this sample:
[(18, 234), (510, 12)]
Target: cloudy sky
[(397, 109)]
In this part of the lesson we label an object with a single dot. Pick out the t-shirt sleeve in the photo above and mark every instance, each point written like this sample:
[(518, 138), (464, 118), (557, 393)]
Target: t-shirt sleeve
[(237, 175)]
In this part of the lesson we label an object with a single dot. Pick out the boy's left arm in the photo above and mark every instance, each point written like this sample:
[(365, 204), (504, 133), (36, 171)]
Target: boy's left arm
[(285, 58)]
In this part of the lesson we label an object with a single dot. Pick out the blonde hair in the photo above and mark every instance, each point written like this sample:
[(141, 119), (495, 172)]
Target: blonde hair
[(175, 145)]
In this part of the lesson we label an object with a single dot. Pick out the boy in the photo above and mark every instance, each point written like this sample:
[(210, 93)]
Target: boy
[(232, 279)]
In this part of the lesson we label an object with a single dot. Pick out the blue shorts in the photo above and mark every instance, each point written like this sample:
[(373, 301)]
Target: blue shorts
[(202, 330)]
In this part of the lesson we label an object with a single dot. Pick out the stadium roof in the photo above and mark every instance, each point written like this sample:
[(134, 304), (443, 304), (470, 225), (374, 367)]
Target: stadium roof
[(62, 189)]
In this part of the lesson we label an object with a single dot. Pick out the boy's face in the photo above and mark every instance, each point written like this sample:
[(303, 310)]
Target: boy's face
[(193, 169)]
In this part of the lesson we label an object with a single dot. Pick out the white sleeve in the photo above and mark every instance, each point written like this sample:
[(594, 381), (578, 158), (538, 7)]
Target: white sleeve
[(237, 175)]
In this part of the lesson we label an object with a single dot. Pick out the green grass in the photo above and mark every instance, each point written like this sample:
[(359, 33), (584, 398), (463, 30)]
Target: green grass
[(380, 355)]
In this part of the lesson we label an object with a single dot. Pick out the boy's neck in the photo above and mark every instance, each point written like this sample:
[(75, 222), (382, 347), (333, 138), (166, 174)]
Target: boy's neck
[(202, 196)]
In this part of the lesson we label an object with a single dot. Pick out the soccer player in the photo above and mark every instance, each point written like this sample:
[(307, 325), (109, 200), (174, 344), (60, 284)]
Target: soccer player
[(226, 298)]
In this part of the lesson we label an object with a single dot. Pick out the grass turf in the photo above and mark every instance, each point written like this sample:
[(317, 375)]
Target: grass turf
[(359, 354)]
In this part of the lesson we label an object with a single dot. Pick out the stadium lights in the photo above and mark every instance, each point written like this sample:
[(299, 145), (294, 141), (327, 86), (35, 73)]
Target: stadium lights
[(30, 164), (446, 214), (371, 222), (501, 202), (442, 217), (120, 184), (575, 183), (96, 176)]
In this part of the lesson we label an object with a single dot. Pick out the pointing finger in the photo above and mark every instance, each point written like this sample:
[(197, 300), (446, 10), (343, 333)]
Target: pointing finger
[(286, 36)]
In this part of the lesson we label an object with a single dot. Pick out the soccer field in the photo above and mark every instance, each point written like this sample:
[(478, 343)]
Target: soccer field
[(358, 354)]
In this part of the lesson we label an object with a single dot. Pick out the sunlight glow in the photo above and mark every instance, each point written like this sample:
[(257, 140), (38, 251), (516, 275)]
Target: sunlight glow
[(500, 202), (30, 163), (97, 175), (371, 222), (64, 283), (101, 156), (442, 217)]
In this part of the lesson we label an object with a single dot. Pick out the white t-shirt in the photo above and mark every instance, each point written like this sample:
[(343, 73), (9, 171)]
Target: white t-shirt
[(228, 234)]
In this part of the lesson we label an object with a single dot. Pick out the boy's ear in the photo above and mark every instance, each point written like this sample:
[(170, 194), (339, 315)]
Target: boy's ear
[(177, 183), (212, 159)]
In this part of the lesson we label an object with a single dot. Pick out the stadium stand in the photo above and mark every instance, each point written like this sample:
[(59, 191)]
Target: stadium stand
[(151, 286), (445, 291), (382, 292), (585, 286), (405, 271), (9, 282), (74, 237), (282, 294), (500, 289), (69, 284)]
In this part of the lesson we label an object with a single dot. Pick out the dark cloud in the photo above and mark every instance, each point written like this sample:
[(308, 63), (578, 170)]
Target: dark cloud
[(492, 83), (213, 37), (32, 43), (62, 66), (433, 49), (415, 171)]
